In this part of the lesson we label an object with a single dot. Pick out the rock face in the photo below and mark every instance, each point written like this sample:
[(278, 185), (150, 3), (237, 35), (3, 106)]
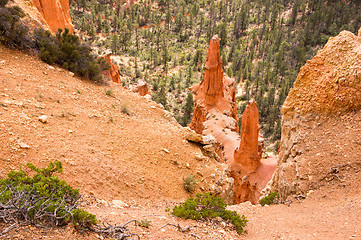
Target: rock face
[(328, 86), (56, 13), (141, 88), (113, 73), (215, 114)]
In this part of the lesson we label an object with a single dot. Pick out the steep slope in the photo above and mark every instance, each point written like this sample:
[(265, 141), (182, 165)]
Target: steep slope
[(318, 139), (114, 144)]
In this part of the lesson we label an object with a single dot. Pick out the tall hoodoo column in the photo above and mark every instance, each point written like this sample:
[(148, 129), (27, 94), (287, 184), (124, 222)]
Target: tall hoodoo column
[(215, 113)]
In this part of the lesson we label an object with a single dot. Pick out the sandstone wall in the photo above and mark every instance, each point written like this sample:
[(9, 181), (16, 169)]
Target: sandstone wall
[(56, 13), (328, 86)]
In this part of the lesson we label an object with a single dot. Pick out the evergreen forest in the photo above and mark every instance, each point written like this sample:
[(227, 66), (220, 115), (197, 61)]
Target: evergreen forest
[(264, 44)]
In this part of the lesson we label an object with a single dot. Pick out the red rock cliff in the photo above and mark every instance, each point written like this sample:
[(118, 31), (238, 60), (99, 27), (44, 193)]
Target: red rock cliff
[(56, 13)]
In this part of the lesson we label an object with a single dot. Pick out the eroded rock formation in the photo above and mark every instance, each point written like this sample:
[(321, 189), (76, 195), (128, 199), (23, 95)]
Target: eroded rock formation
[(248, 155), (328, 86), (141, 88), (215, 93), (114, 72), (250, 171), (215, 114), (56, 13)]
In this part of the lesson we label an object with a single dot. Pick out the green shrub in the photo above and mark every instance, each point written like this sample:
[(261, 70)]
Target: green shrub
[(82, 219), (67, 51), (205, 206), (42, 198), (145, 223), (109, 92), (190, 183), (64, 49), (270, 199), (13, 33)]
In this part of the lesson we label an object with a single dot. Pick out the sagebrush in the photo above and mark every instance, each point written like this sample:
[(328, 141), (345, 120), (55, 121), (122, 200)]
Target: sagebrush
[(205, 206), (272, 198), (41, 199)]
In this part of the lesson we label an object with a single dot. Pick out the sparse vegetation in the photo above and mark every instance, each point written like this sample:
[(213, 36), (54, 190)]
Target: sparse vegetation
[(272, 198), (109, 92), (41, 199), (125, 109), (190, 183), (145, 223), (205, 206), (44, 200)]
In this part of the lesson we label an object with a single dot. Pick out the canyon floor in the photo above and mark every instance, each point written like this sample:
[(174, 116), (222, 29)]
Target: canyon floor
[(130, 163)]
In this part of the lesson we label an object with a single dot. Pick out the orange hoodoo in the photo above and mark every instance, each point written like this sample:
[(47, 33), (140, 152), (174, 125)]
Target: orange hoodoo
[(216, 90), (215, 113), (248, 155), (56, 13)]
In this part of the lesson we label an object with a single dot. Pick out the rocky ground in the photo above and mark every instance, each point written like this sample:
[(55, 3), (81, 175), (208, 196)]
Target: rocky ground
[(131, 166)]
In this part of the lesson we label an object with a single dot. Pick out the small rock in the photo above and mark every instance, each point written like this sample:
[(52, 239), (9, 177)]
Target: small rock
[(223, 225), (200, 157), (119, 204), (188, 166), (51, 67), (213, 176), (71, 131), (71, 74), (209, 148), (43, 118), (165, 150), (192, 136), (209, 139), (23, 145)]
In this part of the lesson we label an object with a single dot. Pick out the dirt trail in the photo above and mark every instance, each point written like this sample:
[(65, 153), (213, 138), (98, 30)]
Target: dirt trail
[(122, 164)]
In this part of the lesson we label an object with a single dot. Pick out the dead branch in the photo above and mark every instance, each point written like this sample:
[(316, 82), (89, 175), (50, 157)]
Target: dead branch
[(185, 229), (332, 174), (16, 209), (194, 235)]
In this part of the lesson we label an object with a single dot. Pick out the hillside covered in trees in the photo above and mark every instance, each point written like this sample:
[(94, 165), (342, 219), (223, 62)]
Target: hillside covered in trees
[(263, 46)]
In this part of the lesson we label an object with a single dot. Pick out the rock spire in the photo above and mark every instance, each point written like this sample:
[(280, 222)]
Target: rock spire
[(215, 114)]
